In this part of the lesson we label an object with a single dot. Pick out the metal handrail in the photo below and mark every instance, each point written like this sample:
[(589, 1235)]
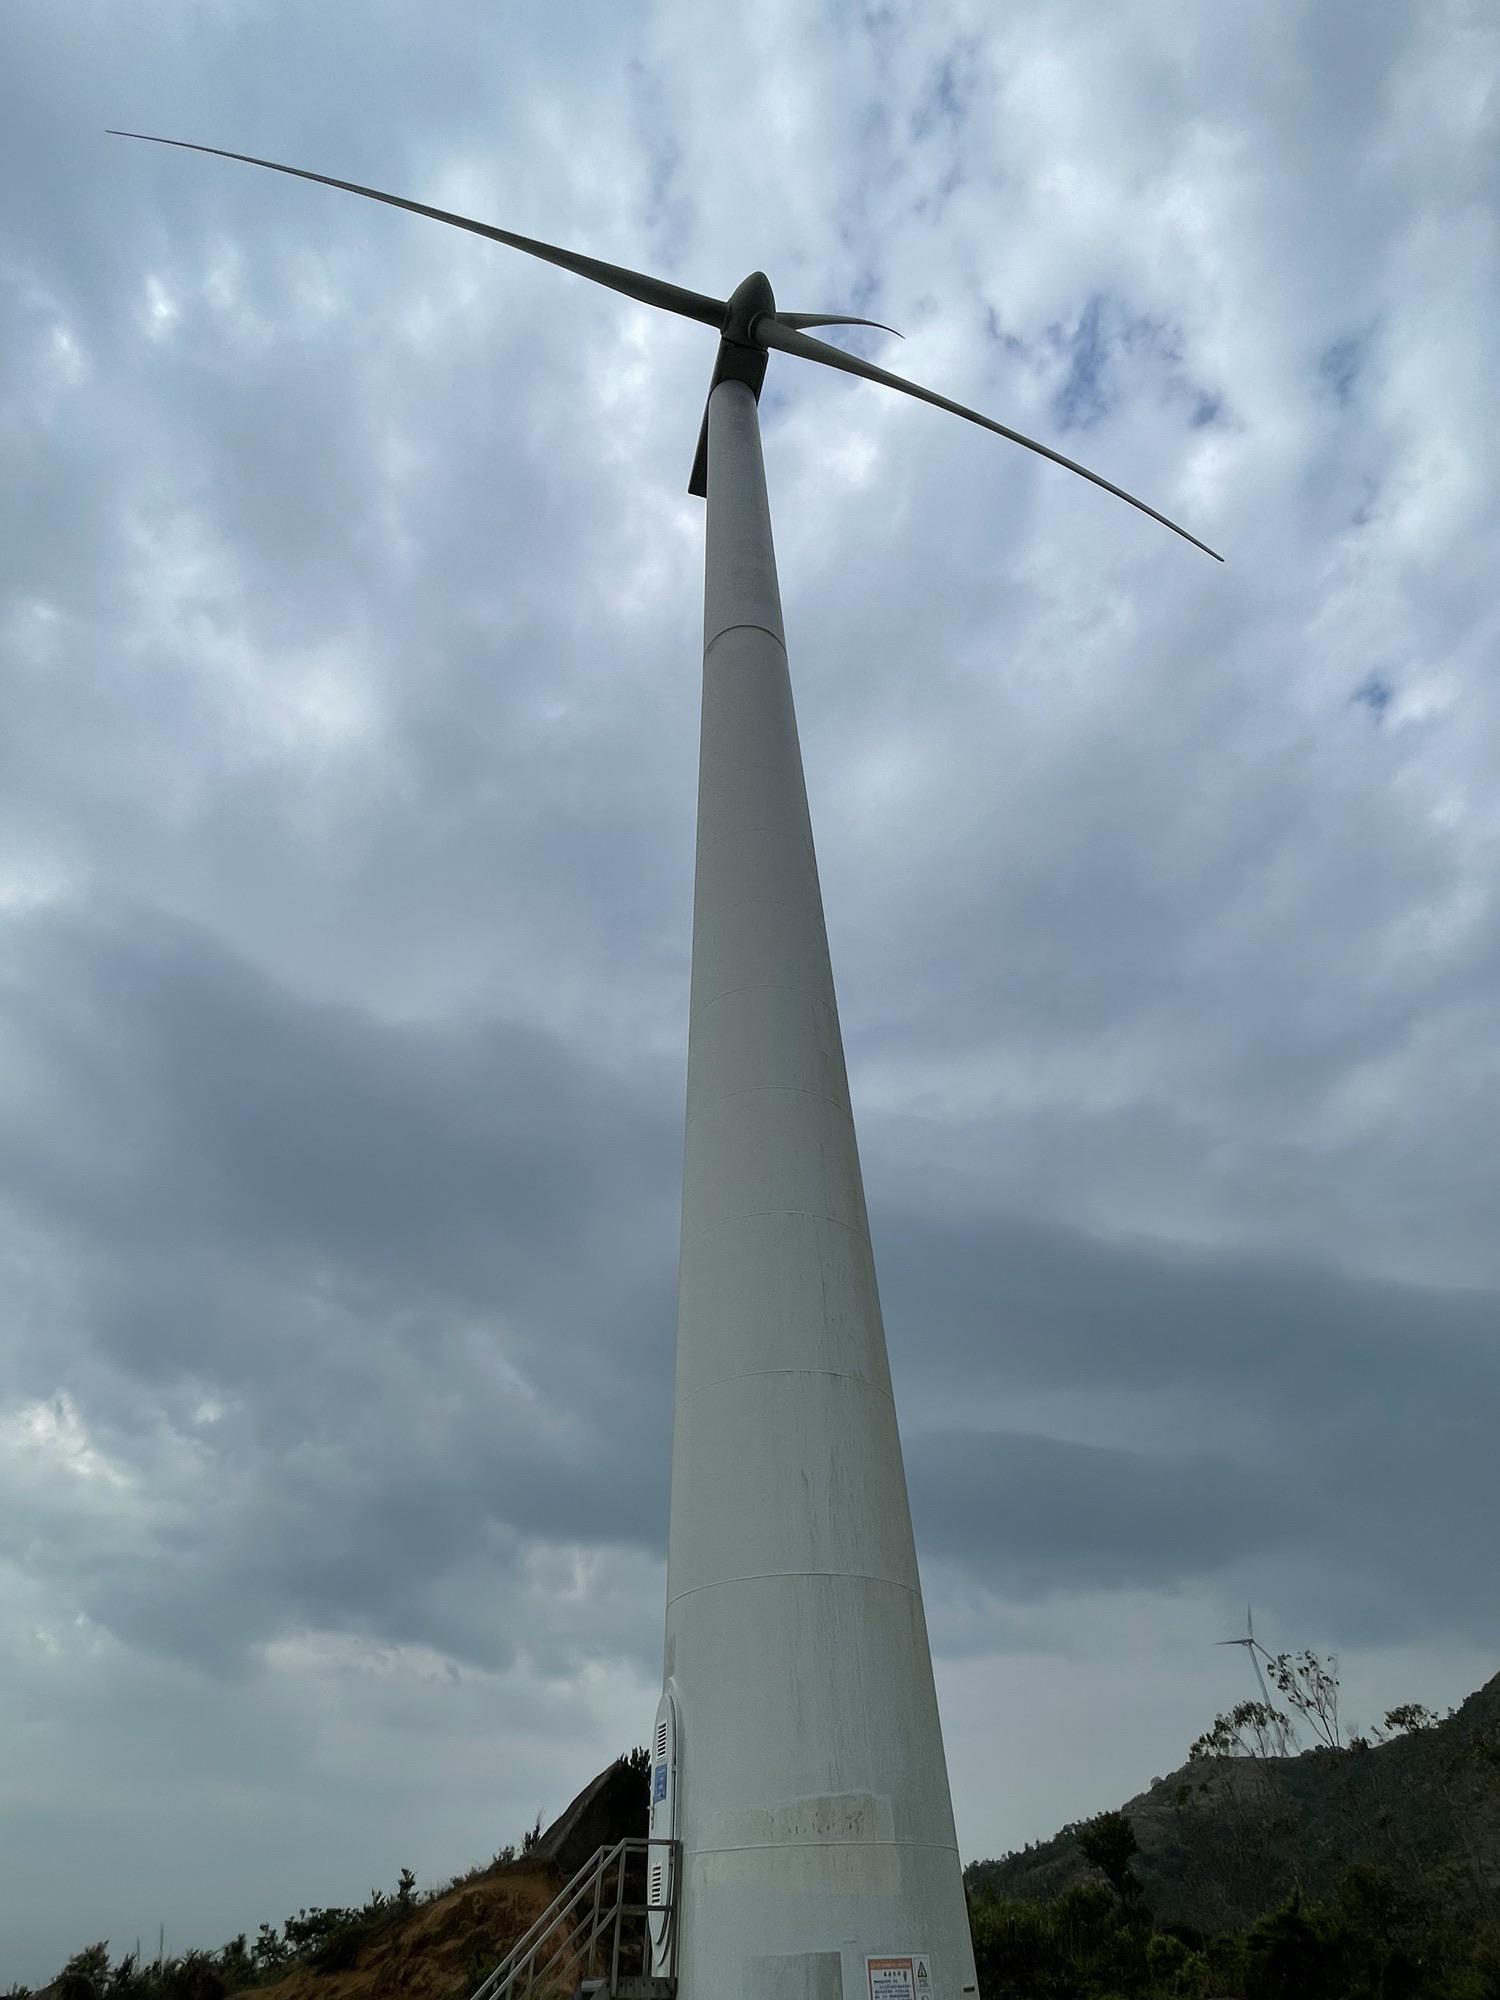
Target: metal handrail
[(518, 1972), (535, 1936)]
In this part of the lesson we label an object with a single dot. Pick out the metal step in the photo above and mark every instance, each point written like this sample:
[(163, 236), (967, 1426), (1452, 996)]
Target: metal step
[(582, 1927), (631, 1987)]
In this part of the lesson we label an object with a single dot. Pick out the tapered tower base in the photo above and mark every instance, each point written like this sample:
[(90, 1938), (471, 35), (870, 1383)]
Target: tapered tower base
[(810, 1790)]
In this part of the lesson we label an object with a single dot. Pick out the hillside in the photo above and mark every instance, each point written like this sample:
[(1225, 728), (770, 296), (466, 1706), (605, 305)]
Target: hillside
[(442, 1950), (1227, 1837), (436, 1945), (1350, 1872)]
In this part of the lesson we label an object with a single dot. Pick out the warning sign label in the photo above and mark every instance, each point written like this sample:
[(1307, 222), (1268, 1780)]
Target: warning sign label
[(900, 1978)]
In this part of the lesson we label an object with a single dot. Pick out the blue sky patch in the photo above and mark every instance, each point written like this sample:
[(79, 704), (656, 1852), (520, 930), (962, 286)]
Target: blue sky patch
[(1342, 363), (1374, 693), (1085, 396)]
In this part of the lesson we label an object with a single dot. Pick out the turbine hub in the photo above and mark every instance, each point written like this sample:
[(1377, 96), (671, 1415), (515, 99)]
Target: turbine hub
[(748, 302)]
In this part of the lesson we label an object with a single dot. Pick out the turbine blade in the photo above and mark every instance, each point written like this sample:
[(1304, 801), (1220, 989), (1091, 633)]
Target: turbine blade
[(698, 478), (634, 284), (800, 320), (775, 332)]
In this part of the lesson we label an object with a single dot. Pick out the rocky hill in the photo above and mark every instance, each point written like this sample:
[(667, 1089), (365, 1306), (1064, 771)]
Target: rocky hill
[(1230, 1834)]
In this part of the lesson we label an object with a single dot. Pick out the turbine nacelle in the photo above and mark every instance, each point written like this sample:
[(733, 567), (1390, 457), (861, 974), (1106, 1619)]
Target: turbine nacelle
[(747, 322), (751, 322), (750, 298), (742, 357)]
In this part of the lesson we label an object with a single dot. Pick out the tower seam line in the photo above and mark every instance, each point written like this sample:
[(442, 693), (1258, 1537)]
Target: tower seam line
[(784, 1089), (758, 986), (753, 1214), (759, 1846), (745, 625), (755, 1374), (774, 1575)]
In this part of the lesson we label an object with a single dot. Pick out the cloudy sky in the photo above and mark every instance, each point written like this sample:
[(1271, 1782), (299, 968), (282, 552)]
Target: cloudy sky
[(349, 614)]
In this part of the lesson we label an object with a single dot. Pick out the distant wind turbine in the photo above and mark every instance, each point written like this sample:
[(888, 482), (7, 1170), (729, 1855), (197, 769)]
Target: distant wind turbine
[(1254, 1648), (797, 1756)]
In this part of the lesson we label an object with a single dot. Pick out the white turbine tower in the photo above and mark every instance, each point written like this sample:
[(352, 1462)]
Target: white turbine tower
[(798, 1755)]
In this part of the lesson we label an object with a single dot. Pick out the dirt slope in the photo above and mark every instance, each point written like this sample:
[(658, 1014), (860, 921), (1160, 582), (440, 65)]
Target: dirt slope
[(442, 1950)]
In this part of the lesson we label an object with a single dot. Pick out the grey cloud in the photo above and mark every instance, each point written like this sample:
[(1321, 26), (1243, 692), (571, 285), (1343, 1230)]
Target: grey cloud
[(1356, 1405), (329, 1223), (1041, 1303), (1040, 1515), (218, 1102)]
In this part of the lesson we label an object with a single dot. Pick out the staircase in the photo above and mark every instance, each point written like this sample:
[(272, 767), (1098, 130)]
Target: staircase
[(580, 1945)]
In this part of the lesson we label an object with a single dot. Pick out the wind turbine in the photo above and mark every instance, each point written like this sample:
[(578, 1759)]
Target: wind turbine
[(1254, 1648), (798, 1755)]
